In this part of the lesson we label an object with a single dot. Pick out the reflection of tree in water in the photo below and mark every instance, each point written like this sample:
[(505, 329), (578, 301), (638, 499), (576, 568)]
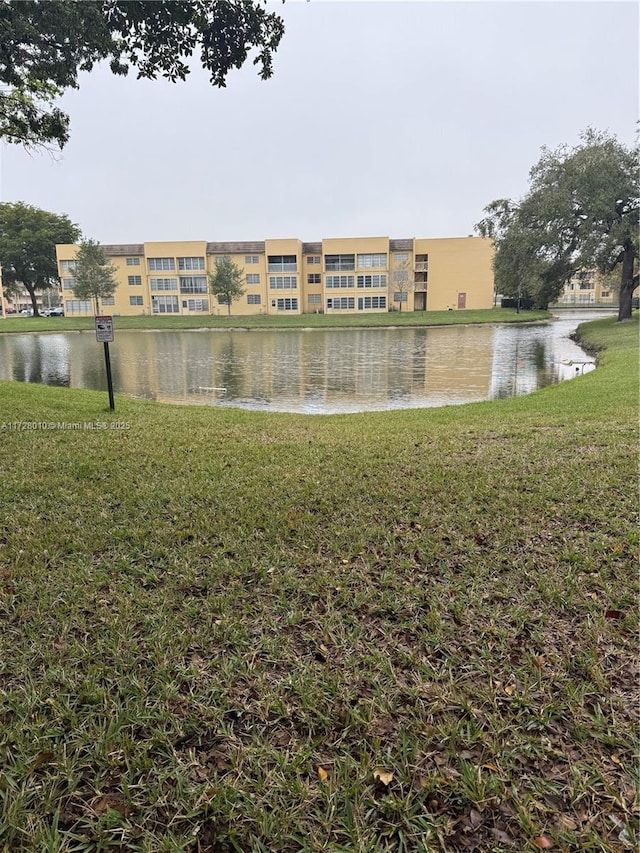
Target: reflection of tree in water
[(41, 359), (230, 369), (94, 372), (419, 358), (544, 369)]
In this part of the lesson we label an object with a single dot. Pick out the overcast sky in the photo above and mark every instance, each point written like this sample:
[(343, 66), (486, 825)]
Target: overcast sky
[(400, 119)]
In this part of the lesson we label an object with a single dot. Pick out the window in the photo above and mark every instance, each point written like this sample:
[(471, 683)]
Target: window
[(400, 258), (367, 302), (338, 281), (68, 266), (282, 263), (313, 259), (285, 304), (375, 260), (136, 300), (333, 263), (193, 284), (190, 263), (314, 299), (605, 294), (196, 304), (68, 283), (159, 264), (313, 278), (164, 284), (107, 300), (253, 278), (165, 305), (134, 279), (283, 282), (399, 297), (400, 277), (341, 302), (133, 262), (78, 306), (251, 259), (253, 299), (372, 280), (422, 263)]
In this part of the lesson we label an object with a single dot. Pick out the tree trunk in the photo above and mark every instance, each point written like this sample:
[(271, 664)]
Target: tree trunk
[(34, 299), (627, 284), (228, 306)]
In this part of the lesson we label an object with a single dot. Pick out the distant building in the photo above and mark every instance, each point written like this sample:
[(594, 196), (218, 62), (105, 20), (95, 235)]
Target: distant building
[(338, 275), (587, 288), (21, 300)]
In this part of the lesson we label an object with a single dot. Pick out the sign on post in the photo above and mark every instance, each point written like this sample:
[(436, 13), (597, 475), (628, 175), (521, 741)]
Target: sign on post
[(104, 330), (104, 335)]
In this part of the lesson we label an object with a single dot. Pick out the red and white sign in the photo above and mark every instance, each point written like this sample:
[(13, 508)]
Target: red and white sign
[(104, 330)]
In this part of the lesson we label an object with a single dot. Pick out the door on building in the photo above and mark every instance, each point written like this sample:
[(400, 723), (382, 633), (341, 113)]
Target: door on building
[(462, 300), (420, 301)]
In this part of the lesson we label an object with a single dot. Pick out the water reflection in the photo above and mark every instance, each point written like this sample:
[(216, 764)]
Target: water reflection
[(342, 370)]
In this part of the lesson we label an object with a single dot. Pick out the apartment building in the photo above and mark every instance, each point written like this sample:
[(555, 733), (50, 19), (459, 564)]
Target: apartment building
[(587, 288), (288, 276)]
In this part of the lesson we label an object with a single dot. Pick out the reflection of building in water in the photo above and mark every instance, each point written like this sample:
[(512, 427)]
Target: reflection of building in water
[(339, 275), (314, 371), (458, 366)]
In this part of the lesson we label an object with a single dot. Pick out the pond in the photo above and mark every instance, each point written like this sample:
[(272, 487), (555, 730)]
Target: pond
[(312, 371)]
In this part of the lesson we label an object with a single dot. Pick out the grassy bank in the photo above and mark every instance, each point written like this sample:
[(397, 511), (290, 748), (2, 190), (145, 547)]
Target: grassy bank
[(403, 631), (302, 321)]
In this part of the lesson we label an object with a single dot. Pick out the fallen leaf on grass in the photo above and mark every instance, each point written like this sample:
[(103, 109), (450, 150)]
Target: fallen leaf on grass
[(382, 776), (614, 614), (322, 774), (39, 760), (542, 842), (490, 767), (503, 837), (565, 822), (475, 818), (510, 689), (109, 801)]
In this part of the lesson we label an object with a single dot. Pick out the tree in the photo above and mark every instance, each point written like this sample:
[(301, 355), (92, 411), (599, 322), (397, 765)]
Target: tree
[(28, 238), (581, 212), (402, 281), (94, 276), (227, 282), (46, 45)]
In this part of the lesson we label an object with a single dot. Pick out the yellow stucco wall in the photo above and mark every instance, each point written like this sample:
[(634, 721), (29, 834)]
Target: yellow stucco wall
[(458, 265), (459, 272)]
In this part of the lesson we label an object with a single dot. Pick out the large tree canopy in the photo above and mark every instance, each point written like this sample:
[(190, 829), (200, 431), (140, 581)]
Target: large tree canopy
[(45, 45), (581, 212), (28, 238)]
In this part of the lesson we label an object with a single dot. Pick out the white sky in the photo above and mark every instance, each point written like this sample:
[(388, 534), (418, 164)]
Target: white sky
[(387, 118)]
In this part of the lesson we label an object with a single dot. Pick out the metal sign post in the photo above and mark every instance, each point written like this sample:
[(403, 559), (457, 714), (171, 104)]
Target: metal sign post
[(104, 335)]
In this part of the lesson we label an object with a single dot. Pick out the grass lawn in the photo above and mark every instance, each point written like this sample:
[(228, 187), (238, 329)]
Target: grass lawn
[(402, 631), (306, 321)]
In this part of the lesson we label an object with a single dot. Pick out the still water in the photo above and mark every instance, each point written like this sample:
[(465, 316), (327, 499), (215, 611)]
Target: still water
[(313, 371)]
